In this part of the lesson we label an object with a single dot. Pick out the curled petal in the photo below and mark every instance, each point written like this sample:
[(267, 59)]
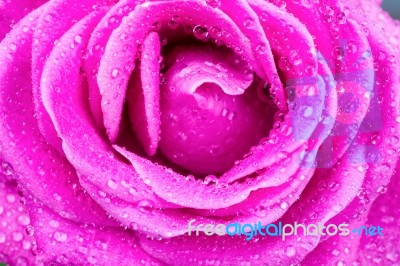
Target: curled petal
[(37, 166), (144, 96)]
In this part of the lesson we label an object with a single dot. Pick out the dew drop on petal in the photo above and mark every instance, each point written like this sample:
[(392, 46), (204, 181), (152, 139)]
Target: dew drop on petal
[(60, 236), (78, 38), (7, 169), (30, 230), (132, 191), (145, 206), (115, 72), (284, 205), (2, 238), (214, 3), (200, 32), (290, 251), (112, 184), (248, 23)]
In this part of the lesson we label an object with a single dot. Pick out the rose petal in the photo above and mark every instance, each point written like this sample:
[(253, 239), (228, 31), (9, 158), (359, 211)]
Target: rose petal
[(96, 46), (207, 103), (38, 166), (120, 62), (143, 96), (248, 22), (62, 241), (16, 241), (12, 11), (44, 40), (110, 182)]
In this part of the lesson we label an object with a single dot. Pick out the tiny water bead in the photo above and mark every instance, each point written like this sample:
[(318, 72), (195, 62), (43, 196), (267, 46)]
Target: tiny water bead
[(60, 236), (200, 33)]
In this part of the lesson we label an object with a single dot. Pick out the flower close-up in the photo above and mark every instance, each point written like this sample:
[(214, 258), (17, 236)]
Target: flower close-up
[(199, 132)]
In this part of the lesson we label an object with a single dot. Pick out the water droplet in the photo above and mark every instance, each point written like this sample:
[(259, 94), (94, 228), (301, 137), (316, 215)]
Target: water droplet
[(30, 231), (52, 223), (338, 53), (231, 116), (308, 111), (340, 263), (2, 238), (115, 72), (360, 168), (10, 198), (334, 186), (284, 64), (156, 26), (261, 49), (112, 184), (113, 22), (48, 17), (60, 236), (284, 205), (145, 206), (352, 48), (173, 24), (17, 236), (346, 250), (7, 169), (382, 189), (261, 211), (335, 252), (248, 23), (200, 32), (132, 191), (210, 179), (214, 3), (290, 251), (294, 58), (78, 38), (24, 220)]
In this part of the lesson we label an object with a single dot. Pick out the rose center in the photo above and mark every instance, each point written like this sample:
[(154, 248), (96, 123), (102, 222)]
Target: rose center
[(211, 113)]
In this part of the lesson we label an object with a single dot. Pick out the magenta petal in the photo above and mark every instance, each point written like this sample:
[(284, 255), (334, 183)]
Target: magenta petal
[(109, 181), (97, 43), (207, 104), (63, 242), (385, 212), (37, 166), (249, 23), (144, 96), (117, 63), (53, 22), (188, 192), (12, 11), (16, 241)]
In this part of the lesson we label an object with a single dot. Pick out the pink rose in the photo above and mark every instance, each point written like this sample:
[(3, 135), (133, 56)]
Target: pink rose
[(128, 127)]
